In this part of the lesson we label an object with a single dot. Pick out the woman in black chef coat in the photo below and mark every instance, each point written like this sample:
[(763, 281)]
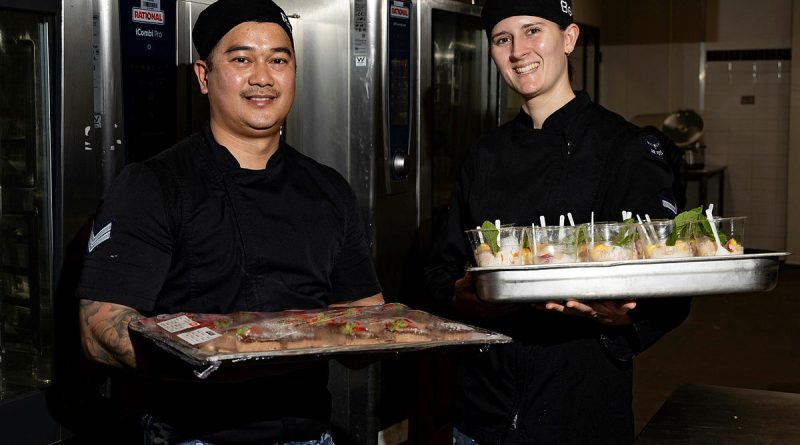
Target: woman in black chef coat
[(567, 377)]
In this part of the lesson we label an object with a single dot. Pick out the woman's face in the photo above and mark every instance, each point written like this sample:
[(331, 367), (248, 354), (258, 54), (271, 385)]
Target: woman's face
[(530, 53)]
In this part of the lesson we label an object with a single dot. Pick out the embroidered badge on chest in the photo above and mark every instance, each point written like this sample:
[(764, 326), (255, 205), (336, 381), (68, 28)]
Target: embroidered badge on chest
[(654, 146), (103, 235)]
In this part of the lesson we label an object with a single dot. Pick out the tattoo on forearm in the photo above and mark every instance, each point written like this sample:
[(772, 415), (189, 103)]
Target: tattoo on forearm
[(105, 332)]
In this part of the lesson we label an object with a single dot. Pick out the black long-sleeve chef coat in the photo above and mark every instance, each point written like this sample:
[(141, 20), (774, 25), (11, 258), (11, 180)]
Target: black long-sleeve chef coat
[(564, 380), (191, 231)]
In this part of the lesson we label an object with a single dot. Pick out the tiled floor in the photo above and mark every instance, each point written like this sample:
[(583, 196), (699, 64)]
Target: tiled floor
[(743, 341)]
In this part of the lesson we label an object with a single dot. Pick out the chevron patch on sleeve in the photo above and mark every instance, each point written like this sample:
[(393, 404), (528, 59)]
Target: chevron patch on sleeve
[(103, 235)]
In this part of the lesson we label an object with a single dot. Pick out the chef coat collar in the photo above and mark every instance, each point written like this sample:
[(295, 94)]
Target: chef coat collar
[(227, 163), (560, 119)]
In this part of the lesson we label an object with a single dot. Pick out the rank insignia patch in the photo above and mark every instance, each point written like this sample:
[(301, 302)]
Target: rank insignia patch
[(103, 235)]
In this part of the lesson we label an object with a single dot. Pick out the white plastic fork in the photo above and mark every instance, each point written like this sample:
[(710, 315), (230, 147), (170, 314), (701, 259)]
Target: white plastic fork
[(721, 251)]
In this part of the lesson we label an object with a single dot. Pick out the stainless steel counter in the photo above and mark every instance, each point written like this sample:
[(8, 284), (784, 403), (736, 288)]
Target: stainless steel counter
[(713, 415)]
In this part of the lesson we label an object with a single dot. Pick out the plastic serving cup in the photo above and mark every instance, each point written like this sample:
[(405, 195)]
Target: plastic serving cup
[(505, 251), (611, 242), (731, 236), (553, 244), (654, 237)]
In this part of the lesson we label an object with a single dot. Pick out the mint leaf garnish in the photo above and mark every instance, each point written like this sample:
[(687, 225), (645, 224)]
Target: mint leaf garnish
[(490, 234)]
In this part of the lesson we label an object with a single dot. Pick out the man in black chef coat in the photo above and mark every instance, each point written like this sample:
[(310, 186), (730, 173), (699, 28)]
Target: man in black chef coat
[(230, 219)]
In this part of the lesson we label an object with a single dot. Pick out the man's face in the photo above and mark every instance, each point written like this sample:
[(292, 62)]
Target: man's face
[(250, 80), (530, 53)]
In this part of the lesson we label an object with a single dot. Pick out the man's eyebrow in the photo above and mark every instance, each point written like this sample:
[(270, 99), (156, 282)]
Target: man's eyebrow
[(233, 49), (280, 49)]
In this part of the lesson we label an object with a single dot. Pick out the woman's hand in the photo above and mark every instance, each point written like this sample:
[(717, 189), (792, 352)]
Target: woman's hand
[(467, 303), (609, 312)]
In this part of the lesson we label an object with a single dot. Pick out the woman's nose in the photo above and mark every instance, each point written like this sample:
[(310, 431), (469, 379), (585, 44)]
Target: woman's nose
[(518, 52)]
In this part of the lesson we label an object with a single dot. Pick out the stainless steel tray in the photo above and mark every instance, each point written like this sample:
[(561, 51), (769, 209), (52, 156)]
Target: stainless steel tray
[(757, 272)]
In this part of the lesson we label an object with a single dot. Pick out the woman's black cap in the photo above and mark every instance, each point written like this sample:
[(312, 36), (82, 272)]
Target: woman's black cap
[(495, 11), (223, 15)]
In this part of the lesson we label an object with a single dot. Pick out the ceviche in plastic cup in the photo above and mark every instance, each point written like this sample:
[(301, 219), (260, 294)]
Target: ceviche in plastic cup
[(492, 246), (661, 239), (731, 236), (611, 242), (553, 244)]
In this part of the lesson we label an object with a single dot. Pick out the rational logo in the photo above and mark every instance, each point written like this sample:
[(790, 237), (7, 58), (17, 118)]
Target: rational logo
[(400, 12), (95, 239), (148, 16)]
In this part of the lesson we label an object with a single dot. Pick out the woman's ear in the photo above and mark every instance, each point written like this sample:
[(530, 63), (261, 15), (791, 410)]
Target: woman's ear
[(201, 72), (571, 35)]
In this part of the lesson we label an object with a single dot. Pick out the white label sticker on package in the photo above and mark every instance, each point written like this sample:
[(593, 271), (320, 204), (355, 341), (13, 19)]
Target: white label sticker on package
[(198, 336), (178, 324)]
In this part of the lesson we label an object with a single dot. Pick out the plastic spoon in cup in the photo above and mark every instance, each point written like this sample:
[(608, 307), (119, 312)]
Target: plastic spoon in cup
[(652, 230), (647, 237), (721, 251)]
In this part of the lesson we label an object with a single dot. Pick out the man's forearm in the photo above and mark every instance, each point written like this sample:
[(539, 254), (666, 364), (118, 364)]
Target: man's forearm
[(104, 332)]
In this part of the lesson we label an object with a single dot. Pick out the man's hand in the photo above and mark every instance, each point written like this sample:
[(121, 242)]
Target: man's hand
[(104, 332), (610, 312), (467, 303)]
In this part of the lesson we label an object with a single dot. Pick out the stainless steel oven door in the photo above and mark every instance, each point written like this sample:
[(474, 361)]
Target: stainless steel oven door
[(458, 95), (26, 239)]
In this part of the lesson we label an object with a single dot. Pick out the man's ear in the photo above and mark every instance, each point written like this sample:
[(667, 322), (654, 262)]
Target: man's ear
[(571, 38), (201, 71)]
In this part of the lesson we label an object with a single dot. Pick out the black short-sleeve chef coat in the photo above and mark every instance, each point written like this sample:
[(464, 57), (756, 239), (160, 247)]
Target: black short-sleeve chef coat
[(189, 230), (564, 380)]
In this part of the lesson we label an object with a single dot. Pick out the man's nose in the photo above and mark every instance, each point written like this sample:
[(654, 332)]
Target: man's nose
[(261, 74)]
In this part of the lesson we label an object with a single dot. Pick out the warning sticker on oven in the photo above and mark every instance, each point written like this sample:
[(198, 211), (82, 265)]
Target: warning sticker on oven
[(360, 41)]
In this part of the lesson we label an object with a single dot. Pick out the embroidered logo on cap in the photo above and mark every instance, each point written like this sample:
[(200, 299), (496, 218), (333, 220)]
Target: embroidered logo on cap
[(95, 239), (565, 8)]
